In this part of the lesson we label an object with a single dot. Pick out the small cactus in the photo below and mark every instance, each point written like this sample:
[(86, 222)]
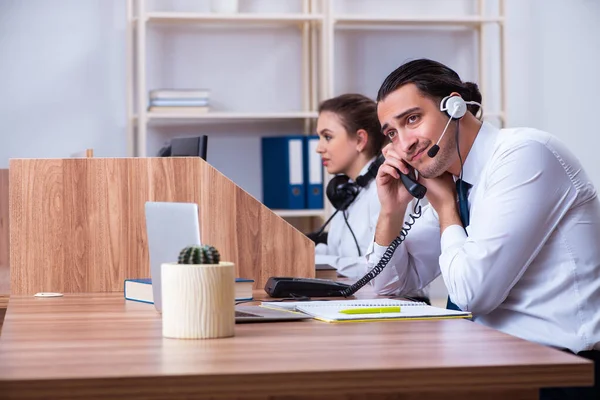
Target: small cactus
[(195, 254)]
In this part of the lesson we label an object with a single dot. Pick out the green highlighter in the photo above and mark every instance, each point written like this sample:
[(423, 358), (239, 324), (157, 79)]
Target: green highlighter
[(371, 310)]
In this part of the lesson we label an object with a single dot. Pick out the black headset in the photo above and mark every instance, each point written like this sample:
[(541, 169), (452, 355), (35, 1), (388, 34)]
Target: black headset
[(341, 192)]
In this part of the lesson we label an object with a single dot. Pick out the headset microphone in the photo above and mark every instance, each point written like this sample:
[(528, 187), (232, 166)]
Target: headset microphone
[(433, 151)]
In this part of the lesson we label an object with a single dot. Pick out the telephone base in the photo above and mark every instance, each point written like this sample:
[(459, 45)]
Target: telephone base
[(280, 287)]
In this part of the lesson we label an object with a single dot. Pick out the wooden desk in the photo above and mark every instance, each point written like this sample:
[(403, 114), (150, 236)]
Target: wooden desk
[(99, 346)]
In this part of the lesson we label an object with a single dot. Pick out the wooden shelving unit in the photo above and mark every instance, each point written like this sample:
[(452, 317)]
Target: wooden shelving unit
[(318, 25), (475, 22), (139, 19)]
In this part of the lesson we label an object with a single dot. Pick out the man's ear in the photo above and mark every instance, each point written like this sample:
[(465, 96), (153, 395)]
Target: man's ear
[(362, 139)]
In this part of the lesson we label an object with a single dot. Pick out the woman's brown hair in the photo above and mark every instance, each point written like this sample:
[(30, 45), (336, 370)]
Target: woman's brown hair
[(357, 112)]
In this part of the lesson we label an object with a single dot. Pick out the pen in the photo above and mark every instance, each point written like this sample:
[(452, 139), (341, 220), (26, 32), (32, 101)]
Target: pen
[(371, 310)]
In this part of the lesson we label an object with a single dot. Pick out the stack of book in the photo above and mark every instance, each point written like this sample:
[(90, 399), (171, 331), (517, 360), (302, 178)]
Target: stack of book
[(141, 290), (179, 101)]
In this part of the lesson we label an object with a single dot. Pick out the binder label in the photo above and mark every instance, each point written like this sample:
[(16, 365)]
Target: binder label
[(296, 168)]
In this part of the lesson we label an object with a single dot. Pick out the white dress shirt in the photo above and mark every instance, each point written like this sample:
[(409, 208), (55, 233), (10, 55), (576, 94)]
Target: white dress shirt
[(530, 265)]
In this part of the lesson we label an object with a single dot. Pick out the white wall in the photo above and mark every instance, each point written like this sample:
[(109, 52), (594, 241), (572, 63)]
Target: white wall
[(554, 72), (62, 73), (61, 78)]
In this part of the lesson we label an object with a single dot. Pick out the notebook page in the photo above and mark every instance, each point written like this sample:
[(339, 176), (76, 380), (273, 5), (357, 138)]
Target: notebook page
[(293, 305), (331, 313)]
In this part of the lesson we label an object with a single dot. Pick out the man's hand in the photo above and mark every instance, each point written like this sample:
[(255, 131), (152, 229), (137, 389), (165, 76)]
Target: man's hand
[(441, 193), (392, 194), (393, 197)]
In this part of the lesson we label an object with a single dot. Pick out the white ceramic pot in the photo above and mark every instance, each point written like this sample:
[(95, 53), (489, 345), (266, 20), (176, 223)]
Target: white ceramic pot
[(198, 300)]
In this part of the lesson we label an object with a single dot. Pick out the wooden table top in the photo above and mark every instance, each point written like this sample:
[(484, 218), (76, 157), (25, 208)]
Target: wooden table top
[(112, 344)]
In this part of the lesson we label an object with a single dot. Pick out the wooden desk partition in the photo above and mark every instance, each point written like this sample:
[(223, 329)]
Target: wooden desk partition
[(4, 233), (78, 224)]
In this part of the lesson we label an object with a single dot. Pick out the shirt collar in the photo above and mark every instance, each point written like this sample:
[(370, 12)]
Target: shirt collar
[(480, 153)]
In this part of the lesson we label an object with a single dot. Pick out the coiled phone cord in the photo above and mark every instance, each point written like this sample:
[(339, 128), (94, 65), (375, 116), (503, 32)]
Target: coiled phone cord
[(387, 256)]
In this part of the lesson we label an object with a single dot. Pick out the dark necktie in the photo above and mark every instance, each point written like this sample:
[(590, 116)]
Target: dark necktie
[(462, 188)]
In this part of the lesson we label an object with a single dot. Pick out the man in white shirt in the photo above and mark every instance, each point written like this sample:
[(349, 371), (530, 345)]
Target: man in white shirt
[(523, 255), (350, 144)]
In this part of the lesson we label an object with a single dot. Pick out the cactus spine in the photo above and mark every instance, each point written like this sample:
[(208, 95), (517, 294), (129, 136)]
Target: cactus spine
[(195, 254)]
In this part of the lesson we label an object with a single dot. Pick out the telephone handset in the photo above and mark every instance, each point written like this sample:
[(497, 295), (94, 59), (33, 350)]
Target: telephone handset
[(410, 183)]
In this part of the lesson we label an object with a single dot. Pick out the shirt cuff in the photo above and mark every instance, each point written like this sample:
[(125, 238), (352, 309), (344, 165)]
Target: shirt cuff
[(378, 250), (454, 235), (374, 252)]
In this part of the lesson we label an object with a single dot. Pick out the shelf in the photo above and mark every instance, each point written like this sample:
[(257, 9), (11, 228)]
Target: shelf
[(299, 213), (245, 116), (183, 17), (223, 115), (345, 20)]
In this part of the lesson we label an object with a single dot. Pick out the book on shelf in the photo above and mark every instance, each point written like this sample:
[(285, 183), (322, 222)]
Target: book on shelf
[(179, 94), (179, 103), (331, 310), (141, 290), (178, 110)]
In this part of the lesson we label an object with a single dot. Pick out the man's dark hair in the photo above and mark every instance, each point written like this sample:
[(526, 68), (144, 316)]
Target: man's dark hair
[(433, 79), (357, 112)]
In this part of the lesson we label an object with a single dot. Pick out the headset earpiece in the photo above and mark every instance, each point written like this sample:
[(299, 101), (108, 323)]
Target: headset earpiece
[(341, 192), (454, 106)]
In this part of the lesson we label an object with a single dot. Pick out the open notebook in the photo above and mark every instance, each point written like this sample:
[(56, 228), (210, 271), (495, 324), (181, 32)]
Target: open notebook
[(329, 311)]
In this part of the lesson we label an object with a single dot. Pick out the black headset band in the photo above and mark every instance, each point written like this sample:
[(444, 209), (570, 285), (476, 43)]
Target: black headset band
[(341, 192), (363, 180)]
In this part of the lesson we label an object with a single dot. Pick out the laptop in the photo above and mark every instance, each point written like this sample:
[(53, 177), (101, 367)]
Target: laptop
[(170, 227)]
